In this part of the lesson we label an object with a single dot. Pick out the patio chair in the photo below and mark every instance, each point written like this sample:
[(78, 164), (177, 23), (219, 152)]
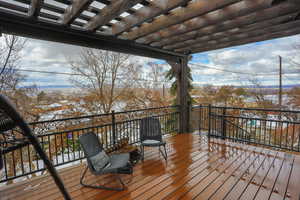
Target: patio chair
[(99, 163), (151, 136)]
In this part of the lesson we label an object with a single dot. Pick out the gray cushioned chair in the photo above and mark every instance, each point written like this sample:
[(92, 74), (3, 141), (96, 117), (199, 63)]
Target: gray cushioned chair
[(151, 136), (117, 163)]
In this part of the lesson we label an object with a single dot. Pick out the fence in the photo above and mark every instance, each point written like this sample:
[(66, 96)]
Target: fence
[(278, 129), (59, 138)]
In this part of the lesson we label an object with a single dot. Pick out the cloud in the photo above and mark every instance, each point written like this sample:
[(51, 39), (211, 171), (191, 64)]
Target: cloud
[(256, 58), (54, 57)]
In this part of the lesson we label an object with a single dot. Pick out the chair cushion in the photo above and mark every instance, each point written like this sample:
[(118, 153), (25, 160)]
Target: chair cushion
[(100, 161), (152, 142), (117, 161)]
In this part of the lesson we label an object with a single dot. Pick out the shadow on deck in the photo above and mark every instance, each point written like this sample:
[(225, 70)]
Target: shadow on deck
[(197, 168)]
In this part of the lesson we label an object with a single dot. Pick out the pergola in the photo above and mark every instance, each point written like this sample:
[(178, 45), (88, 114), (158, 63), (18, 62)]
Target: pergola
[(165, 29)]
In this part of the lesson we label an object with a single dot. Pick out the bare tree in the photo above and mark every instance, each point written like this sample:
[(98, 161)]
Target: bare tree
[(105, 76), (259, 94), (10, 48), (150, 88)]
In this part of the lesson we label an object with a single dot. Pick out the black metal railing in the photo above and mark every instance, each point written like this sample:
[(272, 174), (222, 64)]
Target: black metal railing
[(59, 138), (278, 129)]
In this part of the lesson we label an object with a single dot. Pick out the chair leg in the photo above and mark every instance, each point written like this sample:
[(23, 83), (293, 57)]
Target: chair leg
[(142, 150), (164, 154), (100, 186)]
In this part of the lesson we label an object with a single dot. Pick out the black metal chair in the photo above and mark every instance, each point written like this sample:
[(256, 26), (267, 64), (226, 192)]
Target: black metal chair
[(10, 119), (99, 163), (151, 136)]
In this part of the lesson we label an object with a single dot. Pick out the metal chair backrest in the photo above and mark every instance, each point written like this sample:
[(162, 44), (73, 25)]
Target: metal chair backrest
[(150, 129), (90, 146)]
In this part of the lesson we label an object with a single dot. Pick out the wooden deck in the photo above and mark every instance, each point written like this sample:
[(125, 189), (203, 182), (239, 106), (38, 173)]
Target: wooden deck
[(197, 168)]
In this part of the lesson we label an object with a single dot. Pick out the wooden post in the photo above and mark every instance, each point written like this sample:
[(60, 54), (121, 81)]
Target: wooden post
[(183, 96), (180, 70)]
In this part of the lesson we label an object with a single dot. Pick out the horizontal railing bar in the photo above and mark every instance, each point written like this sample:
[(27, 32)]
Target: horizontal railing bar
[(98, 126), (100, 115), (258, 119), (251, 109)]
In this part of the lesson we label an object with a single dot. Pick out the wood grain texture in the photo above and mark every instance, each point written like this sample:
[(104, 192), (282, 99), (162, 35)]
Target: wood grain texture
[(197, 168)]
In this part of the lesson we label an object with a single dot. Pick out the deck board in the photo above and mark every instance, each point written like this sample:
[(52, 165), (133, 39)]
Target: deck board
[(197, 168)]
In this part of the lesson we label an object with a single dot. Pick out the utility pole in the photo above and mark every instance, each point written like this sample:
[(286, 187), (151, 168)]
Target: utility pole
[(163, 90), (280, 83)]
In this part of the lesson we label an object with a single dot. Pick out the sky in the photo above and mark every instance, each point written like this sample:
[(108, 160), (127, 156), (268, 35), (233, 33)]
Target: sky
[(253, 61)]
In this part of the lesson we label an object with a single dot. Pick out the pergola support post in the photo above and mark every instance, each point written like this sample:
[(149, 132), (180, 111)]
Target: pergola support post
[(181, 72)]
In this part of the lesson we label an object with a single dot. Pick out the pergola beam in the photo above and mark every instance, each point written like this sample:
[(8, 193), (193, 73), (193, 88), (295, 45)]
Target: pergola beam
[(27, 27), (110, 12), (145, 13), (274, 35), (232, 11), (193, 9), (235, 31), (35, 8), (74, 10), (254, 17)]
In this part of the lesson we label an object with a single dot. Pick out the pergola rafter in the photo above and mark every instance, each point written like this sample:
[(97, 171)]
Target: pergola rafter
[(35, 8), (110, 12), (251, 20), (268, 25), (163, 29), (74, 10), (146, 13), (213, 18), (192, 10), (272, 35)]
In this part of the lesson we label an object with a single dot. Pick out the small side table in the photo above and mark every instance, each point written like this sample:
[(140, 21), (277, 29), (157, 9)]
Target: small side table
[(134, 153)]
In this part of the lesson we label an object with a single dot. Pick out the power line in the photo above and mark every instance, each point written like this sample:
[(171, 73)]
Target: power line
[(224, 70), (291, 61), (238, 72), (75, 74), (48, 72)]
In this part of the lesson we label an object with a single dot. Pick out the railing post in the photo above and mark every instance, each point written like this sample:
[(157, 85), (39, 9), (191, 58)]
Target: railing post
[(224, 123), (209, 120), (113, 122)]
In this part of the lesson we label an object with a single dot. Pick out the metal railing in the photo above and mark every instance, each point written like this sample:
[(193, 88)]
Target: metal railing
[(279, 129), (59, 138)]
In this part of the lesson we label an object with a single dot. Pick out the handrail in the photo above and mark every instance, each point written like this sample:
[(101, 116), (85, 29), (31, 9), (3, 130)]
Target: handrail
[(250, 109), (101, 115)]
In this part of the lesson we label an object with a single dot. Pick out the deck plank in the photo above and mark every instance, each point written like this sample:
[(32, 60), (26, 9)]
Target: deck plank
[(293, 191), (252, 186), (222, 178), (247, 176), (226, 164), (197, 168), (282, 181), (265, 189), (204, 174)]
